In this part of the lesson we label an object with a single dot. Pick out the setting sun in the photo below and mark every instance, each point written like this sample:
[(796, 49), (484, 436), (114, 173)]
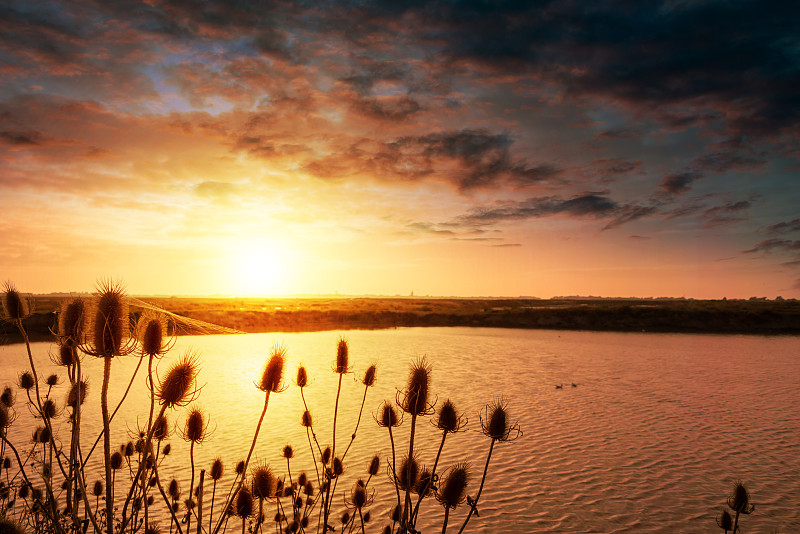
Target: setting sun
[(258, 267)]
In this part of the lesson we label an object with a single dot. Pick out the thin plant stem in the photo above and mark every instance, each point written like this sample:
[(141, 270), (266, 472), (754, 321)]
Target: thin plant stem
[(446, 516), (327, 503), (394, 467), (480, 489), (358, 422), (107, 445), (433, 472), (191, 488), (407, 498)]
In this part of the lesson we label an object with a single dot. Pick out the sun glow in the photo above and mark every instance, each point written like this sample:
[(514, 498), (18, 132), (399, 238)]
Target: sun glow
[(259, 268)]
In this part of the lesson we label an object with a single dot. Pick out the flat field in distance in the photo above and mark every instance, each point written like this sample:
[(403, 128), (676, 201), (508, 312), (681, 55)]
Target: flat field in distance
[(308, 314)]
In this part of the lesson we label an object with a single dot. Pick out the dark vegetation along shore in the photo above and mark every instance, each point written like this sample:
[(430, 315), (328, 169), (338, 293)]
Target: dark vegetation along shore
[(763, 317)]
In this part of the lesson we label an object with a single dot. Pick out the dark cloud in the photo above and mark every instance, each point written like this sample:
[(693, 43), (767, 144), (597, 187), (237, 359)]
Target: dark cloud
[(607, 170), (618, 133), (775, 245), (679, 182), (725, 214), (784, 227), (721, 162), (29, 138)]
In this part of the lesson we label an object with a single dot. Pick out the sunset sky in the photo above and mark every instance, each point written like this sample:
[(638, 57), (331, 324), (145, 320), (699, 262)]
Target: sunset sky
[(446, 148)]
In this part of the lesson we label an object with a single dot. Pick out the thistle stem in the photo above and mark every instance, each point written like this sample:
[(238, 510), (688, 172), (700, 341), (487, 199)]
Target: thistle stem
[(480, 489), (107, 445)]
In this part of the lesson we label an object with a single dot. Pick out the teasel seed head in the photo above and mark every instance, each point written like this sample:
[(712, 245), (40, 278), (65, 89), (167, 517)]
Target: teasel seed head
[(111, 326), (345, 518), (160, 428), (408, 474), (388, 416), (309, 488), (396, 513), (425, 483), (273, 372), (67, 355), (307, 421), (129, 449), (451, 491), (24, 491), (116, 460), (369, 376), (725, 521), (97, 490), (374, 465), (151, 329), (367, 516), (342, 356), (167, 449), (326, 455), (288, 452), (415, 401), (6, 463), (301, 480), (196, 426), (15, 306), (739, 501), (302, 377), (264, 484), (495, 423), (359, 496), (178, 387), (5, 419), (73, 322), (26, 381), (7, 398), (338, 466), (240, 467), (216, 469), (73, 397), (44, 434), (174, 490), (49, 409)]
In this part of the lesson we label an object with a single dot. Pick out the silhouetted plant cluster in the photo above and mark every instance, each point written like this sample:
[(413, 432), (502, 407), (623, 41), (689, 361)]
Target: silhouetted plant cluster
[(45, 487), (739, 503)]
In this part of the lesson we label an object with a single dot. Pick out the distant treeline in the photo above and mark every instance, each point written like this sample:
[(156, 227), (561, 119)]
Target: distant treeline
[(307, 315)]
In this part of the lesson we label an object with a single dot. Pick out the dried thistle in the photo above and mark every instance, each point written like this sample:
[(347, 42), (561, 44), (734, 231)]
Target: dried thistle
[(73, 322), (739, 500), (151, 331), (302, 377), (414, 399), (369, 376), (387, 416), (273, 371), (72, 396), (178, 387), (342, 356), (196, 427), (244, 503), (451, 492), (15, 306), (408, 474), (264, 484), (495, 423), (161, 428), (449, 420), (111, 324), (216, 469), (26, 381)]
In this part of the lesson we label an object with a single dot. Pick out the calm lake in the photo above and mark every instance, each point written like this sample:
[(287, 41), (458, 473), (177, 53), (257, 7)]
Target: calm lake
[(651, 439)]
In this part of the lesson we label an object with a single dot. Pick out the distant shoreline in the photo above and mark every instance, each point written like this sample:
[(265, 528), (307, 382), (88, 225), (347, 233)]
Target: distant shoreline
[(759, 317)]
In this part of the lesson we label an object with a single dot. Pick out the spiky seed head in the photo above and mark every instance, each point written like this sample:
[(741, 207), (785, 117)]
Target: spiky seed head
[(739, 501), (150, 500), (44, 434), (72, 321), (451, 491), (497, 422), (240, 467), (307, 421), (24, 491), (374, 465), (5, 419), (409, 474), (67, 355), (342, 356), (97, 490), (160, 428), (302, 377), (425, 483), (52, 380), (326, 455), (309, 489), (416, 398), (396, 514), (116, 460), (178, 386), (388, 415), (273, 371), (49, 409), (216, 469), (263, 482), (151, 331), (359, 496), (369, 376), (448, 418), (26, 381), (174, 489), (7, 398), (338, 466), (301, 480), (167, 449), (345, 518), (288, 452), (15, 306), (6, 463), (73, 398), (111, 324), (244, 503), (154, 527), (725, 521), (129, 449), (195, 426)]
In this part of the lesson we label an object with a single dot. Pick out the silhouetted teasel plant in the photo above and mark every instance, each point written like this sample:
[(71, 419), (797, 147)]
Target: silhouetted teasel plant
[(103, 328), (739, 503)]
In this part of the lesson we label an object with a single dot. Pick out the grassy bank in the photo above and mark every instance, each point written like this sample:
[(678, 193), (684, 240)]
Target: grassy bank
[(316, 314)]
